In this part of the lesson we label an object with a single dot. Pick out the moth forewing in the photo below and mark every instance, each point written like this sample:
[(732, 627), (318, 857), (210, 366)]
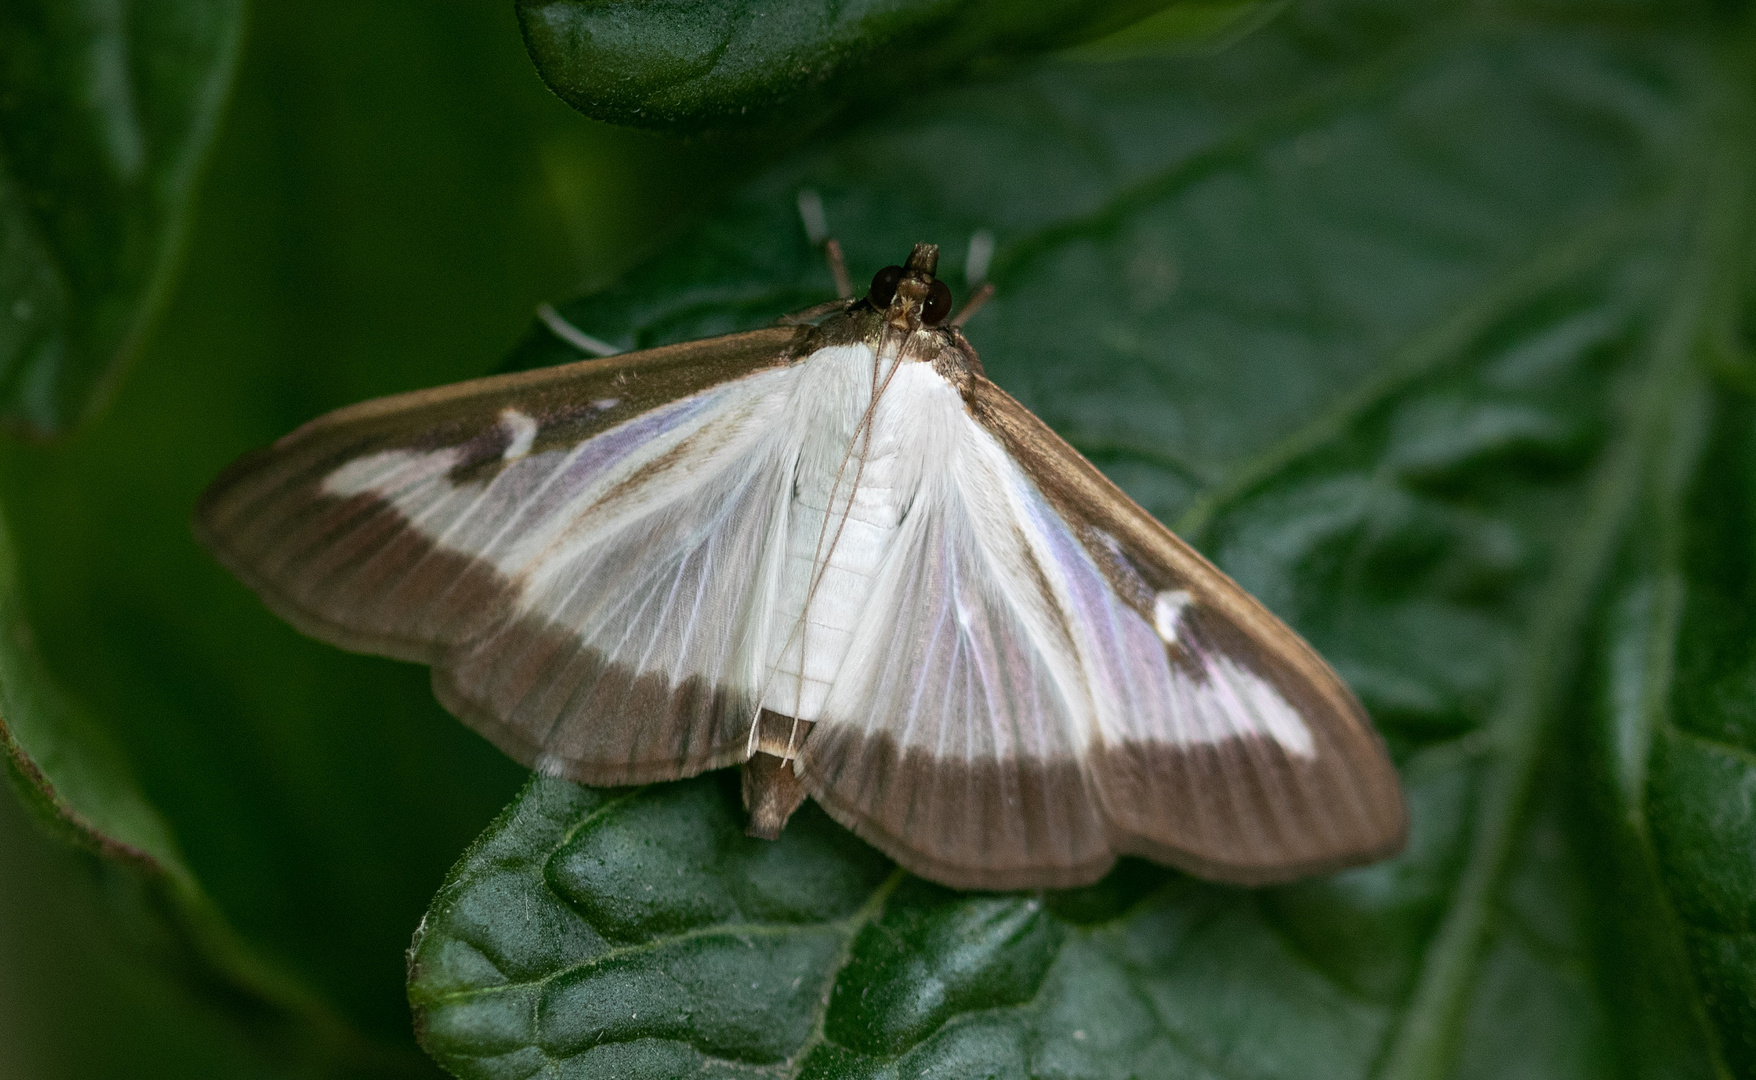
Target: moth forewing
[(838, 554), (1263, 801), (357, 526)]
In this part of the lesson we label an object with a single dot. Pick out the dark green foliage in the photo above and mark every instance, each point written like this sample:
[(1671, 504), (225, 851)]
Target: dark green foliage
[(1407, 327), (1431, 326), (106, 112), (690, 64)]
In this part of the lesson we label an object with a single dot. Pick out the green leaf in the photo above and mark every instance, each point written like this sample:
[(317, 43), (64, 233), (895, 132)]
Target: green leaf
[(690, 64), (1434, 333), (106, 113), (76, 782), (383, 210), (1674, 719)]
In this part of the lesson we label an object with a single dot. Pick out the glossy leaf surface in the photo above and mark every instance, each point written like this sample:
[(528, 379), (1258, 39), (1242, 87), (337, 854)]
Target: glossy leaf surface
[(715, 63), (1431, 330)]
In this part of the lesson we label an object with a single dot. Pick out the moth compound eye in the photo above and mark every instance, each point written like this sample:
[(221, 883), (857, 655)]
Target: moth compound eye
[(884, 286), (938, 304)]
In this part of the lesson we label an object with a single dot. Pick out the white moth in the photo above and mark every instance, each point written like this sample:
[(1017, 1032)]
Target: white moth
[(835, 553)]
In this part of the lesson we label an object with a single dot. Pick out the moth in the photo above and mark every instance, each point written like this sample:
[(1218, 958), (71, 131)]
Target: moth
[(833, 552)]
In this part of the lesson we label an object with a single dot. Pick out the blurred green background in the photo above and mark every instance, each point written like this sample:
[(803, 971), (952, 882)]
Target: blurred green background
[(392, 191), (1433, 324)]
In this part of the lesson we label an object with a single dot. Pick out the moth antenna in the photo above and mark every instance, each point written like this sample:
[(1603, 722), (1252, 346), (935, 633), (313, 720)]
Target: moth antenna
[(812, 313), (811, 214), (573, 335), (981, 254), (838, 268), (973, 304), (817, 232)]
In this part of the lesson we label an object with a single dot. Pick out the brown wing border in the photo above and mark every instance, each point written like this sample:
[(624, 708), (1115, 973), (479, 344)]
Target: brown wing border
[(1354, 767)]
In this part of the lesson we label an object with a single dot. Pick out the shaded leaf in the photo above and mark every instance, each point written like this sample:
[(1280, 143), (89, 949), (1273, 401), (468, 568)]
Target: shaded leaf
[(76, 782), (1674, 722), (106, 113), (710, 63), (1407, 325), (380, 213)]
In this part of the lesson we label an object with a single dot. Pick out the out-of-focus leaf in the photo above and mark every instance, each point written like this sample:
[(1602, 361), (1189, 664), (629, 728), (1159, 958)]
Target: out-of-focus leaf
[(66, 942), (106, 113), (690, 64), (1676, 720), (390, 195), (1410, 326), (77, 783)]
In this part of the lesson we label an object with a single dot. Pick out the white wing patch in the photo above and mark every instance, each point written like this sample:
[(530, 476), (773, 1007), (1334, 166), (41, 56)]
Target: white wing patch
[(1167, 612), (955, 656), (839, 531), (521, 432), (642, 541), (991, 634), (950, 609), (686, 541)]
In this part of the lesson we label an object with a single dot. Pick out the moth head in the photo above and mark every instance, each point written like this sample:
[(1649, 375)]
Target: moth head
[(909, 295)]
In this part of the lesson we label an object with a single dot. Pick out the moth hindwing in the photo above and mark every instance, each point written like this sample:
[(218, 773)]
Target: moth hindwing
[(840, 555)]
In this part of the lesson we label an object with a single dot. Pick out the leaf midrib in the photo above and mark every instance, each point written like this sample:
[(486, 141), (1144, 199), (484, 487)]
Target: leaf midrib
[(1426, 1042)]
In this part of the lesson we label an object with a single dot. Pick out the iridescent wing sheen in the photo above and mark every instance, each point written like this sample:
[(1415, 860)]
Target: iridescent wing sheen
[(568, 548), (1048, 678)]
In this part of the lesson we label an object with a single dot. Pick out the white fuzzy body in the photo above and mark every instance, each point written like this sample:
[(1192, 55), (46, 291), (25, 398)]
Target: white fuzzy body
[(852, 488)]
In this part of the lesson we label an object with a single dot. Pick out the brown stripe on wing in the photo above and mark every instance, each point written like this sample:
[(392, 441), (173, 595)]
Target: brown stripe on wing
[(1246, 812), (351, 572), (1246, 809), (1015, 823), (536, 692), (638, 381), (1241, 811), (524, 683)]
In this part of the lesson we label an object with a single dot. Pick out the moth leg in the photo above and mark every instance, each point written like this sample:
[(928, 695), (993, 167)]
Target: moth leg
[(573, 335), (817, 231)]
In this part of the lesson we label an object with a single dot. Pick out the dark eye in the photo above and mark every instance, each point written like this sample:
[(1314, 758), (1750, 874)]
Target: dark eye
[(884, 286), (938, 304)]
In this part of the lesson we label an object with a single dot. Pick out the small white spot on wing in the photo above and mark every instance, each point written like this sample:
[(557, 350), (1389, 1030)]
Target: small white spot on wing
[(605, 404), (521, 431), (1167, 612)]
